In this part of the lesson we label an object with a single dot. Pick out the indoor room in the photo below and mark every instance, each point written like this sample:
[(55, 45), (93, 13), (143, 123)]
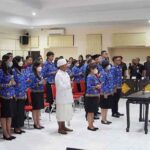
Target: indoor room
[(74, 75)]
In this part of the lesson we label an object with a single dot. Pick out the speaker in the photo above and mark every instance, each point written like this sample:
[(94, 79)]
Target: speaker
[(24, 40)]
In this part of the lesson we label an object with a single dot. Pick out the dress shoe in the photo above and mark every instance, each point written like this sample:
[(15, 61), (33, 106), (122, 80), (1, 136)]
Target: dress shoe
[(91, 129), (35, 127), (116, 115), (7, 138), (13, 137), (22, 131), (68, 130), (120, 114), (96, 117), (17, 132), (42, 127), (106, 122), (62, 132)]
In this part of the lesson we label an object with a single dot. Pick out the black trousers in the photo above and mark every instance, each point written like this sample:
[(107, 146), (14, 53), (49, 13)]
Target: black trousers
[(115, 101), (18, 118), (49, 93)]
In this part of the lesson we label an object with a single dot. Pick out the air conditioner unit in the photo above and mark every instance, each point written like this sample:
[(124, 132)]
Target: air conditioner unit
[(56, 31)]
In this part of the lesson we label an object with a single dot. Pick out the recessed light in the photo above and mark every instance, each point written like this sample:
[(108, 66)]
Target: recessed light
[(148, 21), (33, 13)]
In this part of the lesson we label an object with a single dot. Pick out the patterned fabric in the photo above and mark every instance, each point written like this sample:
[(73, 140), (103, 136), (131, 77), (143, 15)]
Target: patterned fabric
[(100, 68), (49, 71), (107, 83), (35, 86), (27, 72), (6, 92), (69, 71), (117, 76), (21, 84), (78, 73), (92, 82)]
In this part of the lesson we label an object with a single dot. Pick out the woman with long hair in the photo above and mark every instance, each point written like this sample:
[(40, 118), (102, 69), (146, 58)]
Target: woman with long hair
[(7, 94), (37, 93), (20, 95)]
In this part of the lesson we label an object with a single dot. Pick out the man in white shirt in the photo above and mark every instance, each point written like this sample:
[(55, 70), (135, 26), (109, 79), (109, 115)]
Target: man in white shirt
[(64, 97)]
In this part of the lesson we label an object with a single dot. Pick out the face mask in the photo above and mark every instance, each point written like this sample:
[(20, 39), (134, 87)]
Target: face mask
[(10, 64), (95, 71), (108, 67), (39, 69), (20, 64)]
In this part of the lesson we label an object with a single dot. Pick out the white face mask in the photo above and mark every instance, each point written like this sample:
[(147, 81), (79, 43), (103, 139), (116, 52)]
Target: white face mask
[(108, 67), (10, 64), (95, 71), (20, 64), (39, 69)]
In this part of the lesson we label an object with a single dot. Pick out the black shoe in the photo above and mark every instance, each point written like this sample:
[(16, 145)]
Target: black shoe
[(13, 137), (7, 139), (109, 122), (22, 131), (17, 132), (98, 113), (42, 127), (96, 128), (120, 114), (35, 127), (116, 115), (105, 122), (91, 129)]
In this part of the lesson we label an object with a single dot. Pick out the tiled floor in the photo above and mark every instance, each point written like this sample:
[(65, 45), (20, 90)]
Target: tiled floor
[(113, 137)]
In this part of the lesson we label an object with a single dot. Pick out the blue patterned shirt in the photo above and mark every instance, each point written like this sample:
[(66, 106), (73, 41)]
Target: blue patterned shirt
[(117, 75), (92, 82), (107, 82), (35, 86), (100, 68), (6, 92), (27, 72), (21, 84), (49, 71), (78, 73)]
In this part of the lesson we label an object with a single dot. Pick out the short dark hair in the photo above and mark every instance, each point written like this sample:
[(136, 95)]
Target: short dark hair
[(27, 57), (9, 54), (103, 51), (88, 55), (49, 54), (115, 57)]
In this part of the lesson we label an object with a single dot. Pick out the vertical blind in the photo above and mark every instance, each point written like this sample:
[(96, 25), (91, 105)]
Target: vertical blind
[(61, 41), (94, 43), (129, 39)]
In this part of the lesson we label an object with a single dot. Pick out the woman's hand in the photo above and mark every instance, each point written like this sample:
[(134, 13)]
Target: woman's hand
[(98, 86)]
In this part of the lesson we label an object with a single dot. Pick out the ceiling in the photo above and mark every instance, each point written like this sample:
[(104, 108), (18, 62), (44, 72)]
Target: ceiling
[(67, 12)]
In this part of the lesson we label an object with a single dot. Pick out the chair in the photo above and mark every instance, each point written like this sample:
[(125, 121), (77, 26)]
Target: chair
[(28, 108)]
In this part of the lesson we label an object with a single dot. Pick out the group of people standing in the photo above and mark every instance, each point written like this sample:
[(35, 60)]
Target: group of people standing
[(103, 82)]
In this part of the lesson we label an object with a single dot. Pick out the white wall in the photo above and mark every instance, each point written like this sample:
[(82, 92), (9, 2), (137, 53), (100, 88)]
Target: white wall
[(80, 33), (9, 41)]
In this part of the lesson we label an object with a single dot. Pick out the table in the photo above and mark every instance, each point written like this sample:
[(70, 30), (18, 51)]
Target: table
[(142, 98)]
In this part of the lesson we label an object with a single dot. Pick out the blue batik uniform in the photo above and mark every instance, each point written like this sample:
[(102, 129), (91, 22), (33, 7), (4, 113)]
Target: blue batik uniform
[(107, 83), (92, 82), (49, 71), (21, 84), (6, 92), (85, 67), (69, 71), (27, 72), (117, 76), (78, 74), (35, 86), (100, 68)]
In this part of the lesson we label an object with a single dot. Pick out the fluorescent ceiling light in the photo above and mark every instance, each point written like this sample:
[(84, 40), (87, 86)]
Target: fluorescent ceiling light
[(33, 13)]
